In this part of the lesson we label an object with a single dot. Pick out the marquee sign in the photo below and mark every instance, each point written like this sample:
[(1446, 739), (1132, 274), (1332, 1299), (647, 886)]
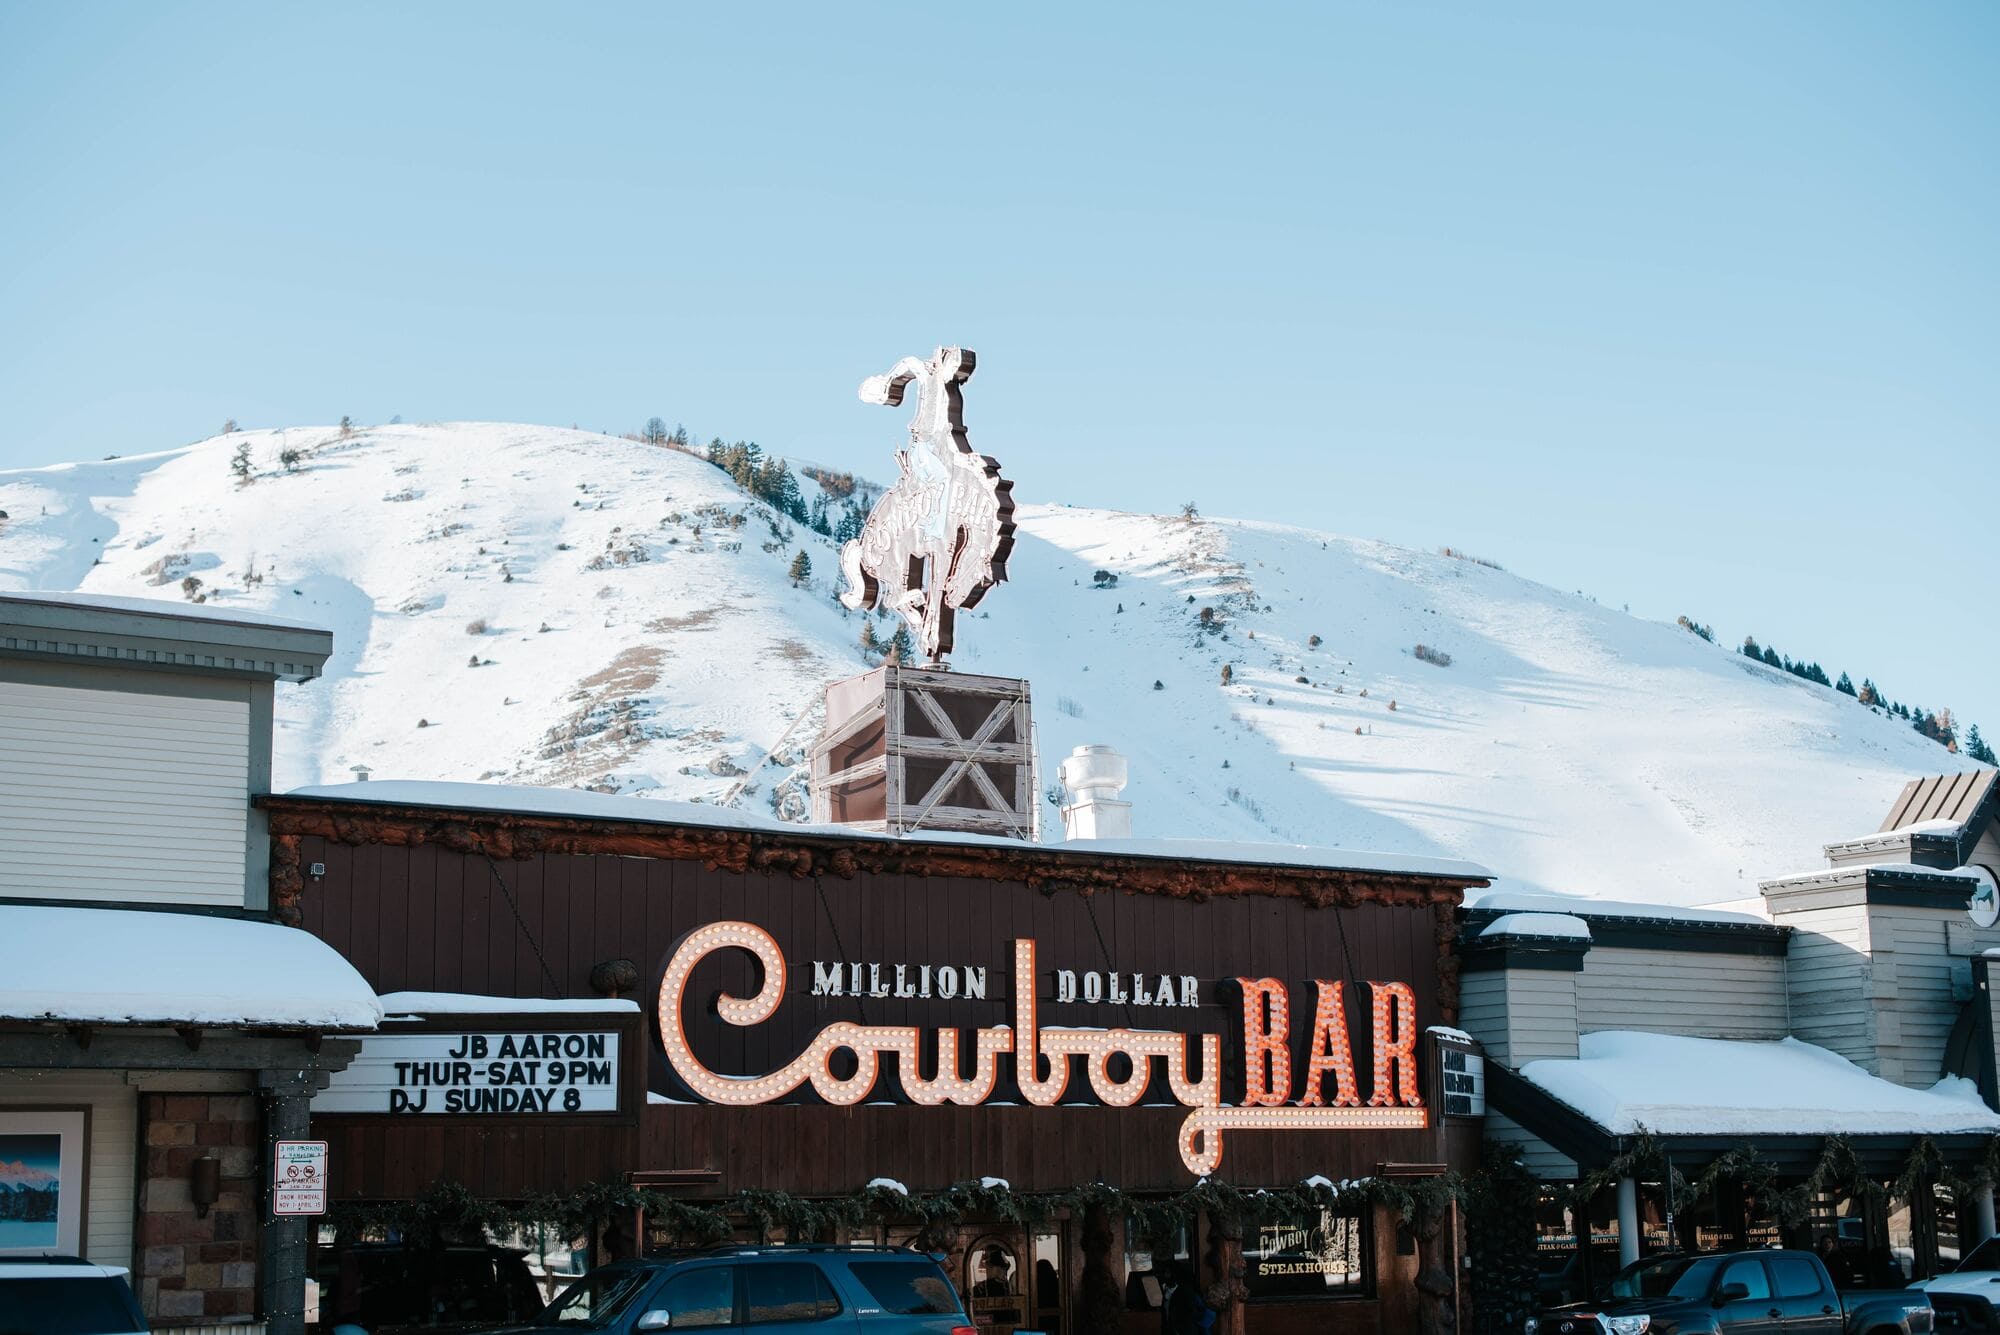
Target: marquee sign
[(479, 1074), (1040, 1057)]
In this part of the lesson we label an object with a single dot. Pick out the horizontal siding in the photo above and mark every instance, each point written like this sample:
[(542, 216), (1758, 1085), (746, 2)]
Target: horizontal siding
[(109, 795), (1828, 979), (1482, 1011), (114, 1147), (1915, 966), (1541, 1014), (1682, 992), (1536, 1154)]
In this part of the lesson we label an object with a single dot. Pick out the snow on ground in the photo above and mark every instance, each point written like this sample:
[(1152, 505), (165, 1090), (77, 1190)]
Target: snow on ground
[(174, 968), (1673, 1085), (540, 606)]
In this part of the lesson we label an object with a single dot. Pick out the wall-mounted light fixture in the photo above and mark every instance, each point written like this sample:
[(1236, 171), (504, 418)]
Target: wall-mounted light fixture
[(204, 1183)]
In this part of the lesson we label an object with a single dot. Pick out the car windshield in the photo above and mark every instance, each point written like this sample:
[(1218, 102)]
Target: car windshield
[(1986, 1256), (596, 1300), (1666, 1277)]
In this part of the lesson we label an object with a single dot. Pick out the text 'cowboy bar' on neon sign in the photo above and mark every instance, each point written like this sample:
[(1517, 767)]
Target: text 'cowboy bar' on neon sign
[(1267, 1103)]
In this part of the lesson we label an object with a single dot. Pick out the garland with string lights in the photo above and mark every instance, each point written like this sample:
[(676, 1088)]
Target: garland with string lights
[(450, 1208)]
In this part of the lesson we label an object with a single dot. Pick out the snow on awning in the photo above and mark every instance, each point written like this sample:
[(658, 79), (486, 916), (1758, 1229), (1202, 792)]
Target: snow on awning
[(1677, 1086), (396, 1004), (130, 966)]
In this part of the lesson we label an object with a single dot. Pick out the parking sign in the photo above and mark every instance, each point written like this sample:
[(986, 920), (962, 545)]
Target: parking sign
[(298, 1184)]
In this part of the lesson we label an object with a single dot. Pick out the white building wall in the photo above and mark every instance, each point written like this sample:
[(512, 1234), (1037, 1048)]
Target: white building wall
[(113, 1133), (1683, 992), (123, 796)]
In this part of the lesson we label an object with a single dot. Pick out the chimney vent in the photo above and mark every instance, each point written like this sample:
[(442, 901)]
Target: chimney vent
[(1094, 776)]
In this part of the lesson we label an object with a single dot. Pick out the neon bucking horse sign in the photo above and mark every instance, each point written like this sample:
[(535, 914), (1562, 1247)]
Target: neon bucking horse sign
[(939, 538)]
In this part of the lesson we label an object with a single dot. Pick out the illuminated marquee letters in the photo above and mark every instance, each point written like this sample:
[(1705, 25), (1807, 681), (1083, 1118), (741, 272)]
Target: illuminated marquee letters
[(1042, 1056)]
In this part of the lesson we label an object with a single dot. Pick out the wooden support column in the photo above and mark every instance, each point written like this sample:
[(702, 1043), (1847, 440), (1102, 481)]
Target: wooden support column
[(1227, 1293), (287, 1098)]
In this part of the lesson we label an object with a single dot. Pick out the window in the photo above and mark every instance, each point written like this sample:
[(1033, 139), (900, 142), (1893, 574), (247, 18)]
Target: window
[(907, 1288), (1321, 1255), (598, 1299), (787, 1291), (704, 1297), (1795, 1276), (1748, 1272)]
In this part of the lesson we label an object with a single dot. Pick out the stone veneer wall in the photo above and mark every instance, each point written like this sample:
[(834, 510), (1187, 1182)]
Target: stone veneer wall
[(192, 1270)]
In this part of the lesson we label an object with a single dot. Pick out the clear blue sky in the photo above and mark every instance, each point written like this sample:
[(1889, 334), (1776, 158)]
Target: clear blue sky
[(1690, 306)]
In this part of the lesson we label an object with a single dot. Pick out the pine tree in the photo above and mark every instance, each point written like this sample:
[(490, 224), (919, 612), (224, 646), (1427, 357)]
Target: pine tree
[(239, 464), (1228, 675), (1844, 686), (1774, 658), (1869, 695), (679, 440), (1976, 747), (901, 649), (1750, 649), (346, 427), (802, 568), (871, 647)]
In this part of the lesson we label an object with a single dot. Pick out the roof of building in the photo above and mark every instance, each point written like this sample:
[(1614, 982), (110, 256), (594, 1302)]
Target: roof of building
[(396, 1004), (1562, 925), (1627, 1082), (160, 634), (1956, 798), (581, 804), (140, 967)]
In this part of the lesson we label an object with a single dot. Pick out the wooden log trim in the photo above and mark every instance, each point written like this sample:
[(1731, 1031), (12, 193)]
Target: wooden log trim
[(523, 835)]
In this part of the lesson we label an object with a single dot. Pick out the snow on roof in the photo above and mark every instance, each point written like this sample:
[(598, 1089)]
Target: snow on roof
[(1857, 870), (158, 607), (1678, 1086), (1539, 924), (396, 1004), (581, 804), (1516, 901), (130, 966)]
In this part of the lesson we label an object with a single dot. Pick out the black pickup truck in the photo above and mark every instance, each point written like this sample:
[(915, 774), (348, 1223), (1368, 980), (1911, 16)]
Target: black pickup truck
[(1737, 1293)]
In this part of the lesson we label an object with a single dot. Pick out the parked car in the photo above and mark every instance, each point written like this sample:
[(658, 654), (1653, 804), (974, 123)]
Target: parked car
[(66, 1295), (836, 1290), (1967, 1298), (389, 1288), (1738, 1293)]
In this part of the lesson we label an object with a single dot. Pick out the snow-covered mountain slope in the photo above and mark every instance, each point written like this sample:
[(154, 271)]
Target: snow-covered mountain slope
[(528, 604)]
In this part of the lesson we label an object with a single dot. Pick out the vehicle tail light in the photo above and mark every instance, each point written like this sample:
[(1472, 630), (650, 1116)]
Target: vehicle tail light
[(964, 1330)]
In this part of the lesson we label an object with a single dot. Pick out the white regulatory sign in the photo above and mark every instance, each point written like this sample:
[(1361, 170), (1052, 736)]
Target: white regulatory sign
[(477, 1075), (298, 1177)]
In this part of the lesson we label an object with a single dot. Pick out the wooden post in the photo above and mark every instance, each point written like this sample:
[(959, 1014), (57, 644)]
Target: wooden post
[(1227, 1293)]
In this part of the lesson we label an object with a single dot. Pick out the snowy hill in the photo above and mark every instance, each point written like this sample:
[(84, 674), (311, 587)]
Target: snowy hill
[(534, 605)]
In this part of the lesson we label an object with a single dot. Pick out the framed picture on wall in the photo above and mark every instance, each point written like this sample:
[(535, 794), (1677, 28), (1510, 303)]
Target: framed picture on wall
[(42, 1180)]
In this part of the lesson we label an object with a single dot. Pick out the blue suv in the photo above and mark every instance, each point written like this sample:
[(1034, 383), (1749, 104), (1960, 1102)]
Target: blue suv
[(806, 1289)]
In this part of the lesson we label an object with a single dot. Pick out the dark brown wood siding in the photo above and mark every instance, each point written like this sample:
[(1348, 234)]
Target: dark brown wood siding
[(429, 919)]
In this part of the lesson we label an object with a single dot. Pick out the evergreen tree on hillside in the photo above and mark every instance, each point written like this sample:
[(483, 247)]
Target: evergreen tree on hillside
[(1774, 658), (852, 520), (1869, 695), (802, 568), (239, 464), (1976, 747), (871, 647), (1751, 649), (1844, 686), (901, 649)]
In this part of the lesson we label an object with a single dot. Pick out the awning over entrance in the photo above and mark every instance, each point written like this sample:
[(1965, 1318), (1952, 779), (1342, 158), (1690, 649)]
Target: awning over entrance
[(133, 967)]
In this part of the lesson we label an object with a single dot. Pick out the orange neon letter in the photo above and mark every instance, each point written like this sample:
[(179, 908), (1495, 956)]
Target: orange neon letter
[(1395, 1044), (1330, 1051), (1267, 1045)]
